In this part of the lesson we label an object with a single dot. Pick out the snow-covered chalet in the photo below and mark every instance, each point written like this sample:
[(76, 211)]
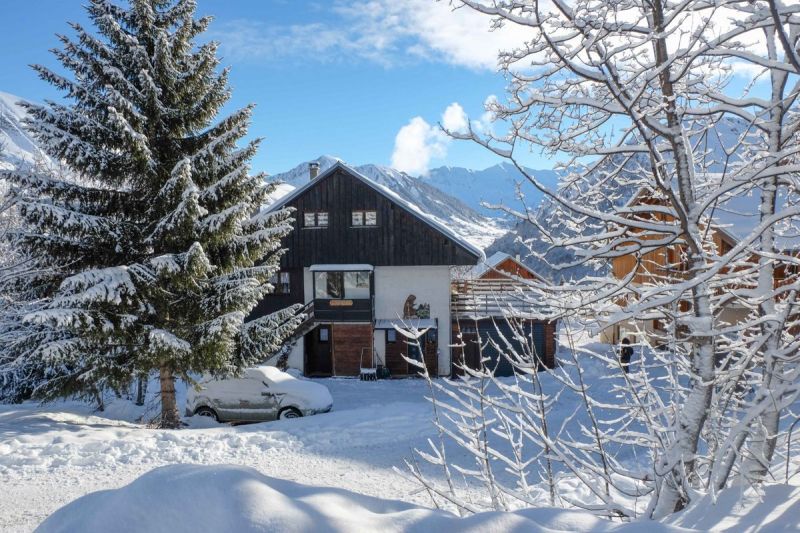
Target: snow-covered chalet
[(364, 262)]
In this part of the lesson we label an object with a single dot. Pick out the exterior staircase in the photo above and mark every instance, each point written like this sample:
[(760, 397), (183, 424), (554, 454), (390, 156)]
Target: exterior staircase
[(306, 326)]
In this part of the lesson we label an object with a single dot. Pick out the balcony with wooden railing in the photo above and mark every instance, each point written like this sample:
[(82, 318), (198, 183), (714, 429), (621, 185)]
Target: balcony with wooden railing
[(487, 298)]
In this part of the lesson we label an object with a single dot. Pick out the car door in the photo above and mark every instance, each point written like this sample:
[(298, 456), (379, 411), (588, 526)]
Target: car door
[(226, 397), (256, 401)]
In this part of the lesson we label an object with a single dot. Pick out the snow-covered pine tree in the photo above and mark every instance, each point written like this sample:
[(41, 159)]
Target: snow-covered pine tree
[(153, 255)]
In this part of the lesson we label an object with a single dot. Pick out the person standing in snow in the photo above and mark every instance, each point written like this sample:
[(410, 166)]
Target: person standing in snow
[(625, 354)]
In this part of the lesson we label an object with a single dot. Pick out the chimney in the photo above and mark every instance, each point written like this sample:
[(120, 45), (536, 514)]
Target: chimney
[(517, 258), (313, 169)]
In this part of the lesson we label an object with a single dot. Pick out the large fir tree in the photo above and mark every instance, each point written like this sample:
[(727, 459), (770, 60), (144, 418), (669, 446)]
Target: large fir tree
[(150, 257)]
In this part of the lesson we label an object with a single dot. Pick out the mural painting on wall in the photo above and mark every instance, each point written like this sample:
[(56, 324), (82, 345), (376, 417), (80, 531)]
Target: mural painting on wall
[(413, 310)]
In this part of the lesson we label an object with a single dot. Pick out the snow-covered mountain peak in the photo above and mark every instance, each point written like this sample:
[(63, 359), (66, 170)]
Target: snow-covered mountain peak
[(17, 147)]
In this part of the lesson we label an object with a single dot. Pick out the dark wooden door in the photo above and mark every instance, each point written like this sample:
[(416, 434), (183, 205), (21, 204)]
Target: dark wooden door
[(318, 352)]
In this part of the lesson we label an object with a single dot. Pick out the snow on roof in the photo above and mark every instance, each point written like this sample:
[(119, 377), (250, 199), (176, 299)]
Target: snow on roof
[(388, 193), (493, 261), (355, 267), (490, 263)]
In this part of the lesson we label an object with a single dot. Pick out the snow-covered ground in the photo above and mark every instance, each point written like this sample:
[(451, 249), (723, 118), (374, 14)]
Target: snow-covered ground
[(51, 455), (231, 498)]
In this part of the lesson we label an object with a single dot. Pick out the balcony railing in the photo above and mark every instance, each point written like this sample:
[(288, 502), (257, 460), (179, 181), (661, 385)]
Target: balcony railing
[(486, 298), (343, 310)]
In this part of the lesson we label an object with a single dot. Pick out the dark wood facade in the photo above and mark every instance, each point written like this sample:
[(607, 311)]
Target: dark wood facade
[(471, 340), (400, 238)]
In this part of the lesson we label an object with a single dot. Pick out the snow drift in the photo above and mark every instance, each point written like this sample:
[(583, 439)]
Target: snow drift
[(231, 498)]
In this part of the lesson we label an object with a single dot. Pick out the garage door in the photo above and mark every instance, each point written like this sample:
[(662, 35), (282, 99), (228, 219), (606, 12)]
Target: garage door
[(502, 334)]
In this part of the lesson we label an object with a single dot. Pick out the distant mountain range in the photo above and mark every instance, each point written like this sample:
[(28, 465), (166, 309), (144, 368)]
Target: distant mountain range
[(501, 184), (17, 147)]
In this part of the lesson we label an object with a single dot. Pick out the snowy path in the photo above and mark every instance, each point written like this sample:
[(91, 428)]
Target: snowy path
[(51, 455)]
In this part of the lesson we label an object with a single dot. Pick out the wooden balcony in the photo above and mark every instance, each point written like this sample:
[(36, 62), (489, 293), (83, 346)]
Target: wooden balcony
[(343, 310), (487, 298)]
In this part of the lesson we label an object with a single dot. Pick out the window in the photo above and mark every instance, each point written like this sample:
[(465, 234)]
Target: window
[(284, 285), (364, 218), (281, 282), (315, 220), (356, 285), (391, 335), (324, 334), (338, 285), (328, 285)]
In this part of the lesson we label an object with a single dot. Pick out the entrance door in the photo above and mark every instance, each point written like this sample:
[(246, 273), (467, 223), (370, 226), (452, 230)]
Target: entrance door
[(318, 351)]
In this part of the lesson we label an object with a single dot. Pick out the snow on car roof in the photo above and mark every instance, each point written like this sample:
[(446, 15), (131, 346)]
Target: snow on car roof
[(270, 373)]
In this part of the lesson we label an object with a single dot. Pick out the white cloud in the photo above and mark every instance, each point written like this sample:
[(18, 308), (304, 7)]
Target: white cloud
[(416, 144), (455, 119), (383, 31)]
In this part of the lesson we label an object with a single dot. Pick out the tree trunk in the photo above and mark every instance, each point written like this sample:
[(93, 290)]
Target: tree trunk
[(170, 418), (141, 389), (678, 461)]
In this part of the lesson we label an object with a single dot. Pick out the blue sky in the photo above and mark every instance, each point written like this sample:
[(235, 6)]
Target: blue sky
[(336, 77)]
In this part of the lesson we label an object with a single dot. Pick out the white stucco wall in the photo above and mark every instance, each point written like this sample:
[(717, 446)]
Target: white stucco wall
[(296, 356), (430, 284), (379, 344)]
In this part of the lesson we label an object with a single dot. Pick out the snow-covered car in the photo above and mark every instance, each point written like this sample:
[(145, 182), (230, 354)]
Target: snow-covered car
[(262, 393)]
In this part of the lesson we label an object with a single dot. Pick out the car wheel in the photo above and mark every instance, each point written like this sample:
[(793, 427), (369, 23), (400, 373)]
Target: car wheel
[(207, 411), (289, 412)]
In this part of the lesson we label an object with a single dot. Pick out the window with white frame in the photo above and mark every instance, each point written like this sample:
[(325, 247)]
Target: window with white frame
[(364, 218), (338, 285), (281, 282), (318, 219)]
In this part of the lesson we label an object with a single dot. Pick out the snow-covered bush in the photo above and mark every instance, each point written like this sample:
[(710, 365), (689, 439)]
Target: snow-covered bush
[(659, 143)]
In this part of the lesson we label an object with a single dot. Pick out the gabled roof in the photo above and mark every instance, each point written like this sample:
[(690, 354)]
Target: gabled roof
[(493, 261), (389, 195)]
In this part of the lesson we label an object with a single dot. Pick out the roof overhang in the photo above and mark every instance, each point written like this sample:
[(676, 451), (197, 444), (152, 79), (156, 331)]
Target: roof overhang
[(356, 267)]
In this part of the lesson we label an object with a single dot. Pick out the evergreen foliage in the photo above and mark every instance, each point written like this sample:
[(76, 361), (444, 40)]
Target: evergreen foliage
[(153, 253)]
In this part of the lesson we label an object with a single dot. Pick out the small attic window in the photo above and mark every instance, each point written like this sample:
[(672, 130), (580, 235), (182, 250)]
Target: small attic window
[(317, 219), (364, 218)]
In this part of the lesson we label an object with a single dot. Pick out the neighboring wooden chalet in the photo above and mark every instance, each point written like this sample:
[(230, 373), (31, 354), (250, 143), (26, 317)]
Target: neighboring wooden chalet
[(490, 303), (732, 221), (363, 262)]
